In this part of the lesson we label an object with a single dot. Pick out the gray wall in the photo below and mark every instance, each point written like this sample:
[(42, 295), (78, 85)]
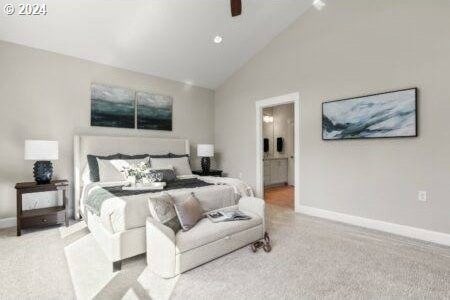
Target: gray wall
[(47, 96), (350, 48)]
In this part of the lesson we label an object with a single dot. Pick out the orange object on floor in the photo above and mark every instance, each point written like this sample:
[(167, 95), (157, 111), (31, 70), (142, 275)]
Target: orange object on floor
[(280, 195)]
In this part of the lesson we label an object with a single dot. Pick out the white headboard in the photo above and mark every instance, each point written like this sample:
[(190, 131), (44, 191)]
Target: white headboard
[(106, 145)]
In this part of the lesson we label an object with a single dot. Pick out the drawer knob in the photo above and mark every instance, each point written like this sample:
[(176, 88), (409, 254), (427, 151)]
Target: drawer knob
[(44, 220)]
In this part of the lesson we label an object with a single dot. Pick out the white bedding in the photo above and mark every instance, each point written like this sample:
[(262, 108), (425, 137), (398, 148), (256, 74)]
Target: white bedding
[(123, 213)]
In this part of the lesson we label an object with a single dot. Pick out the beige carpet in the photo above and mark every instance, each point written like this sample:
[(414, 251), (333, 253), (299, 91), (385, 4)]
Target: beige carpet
[(311, 258)]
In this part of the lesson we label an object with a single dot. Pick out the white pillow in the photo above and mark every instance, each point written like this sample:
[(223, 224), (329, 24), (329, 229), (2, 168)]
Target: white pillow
[(167, 167), (179, 164), (113, 169)]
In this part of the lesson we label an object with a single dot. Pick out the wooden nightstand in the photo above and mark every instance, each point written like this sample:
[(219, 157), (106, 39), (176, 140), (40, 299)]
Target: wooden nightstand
[(42, 216), (216, 173)]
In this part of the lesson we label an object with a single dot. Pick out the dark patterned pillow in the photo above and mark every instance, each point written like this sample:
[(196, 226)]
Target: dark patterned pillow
[(167, 175), (93, 165)]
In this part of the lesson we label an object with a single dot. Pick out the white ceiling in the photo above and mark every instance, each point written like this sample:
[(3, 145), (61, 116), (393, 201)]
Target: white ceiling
[(167, 38)]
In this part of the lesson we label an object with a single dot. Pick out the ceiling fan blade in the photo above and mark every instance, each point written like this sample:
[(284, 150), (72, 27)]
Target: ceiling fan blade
[(236, 7)]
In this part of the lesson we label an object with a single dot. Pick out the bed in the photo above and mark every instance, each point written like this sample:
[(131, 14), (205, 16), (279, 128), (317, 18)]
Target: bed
[(119, 223)]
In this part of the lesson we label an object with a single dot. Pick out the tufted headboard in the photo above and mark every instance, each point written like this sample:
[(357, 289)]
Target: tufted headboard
[(106, 145)]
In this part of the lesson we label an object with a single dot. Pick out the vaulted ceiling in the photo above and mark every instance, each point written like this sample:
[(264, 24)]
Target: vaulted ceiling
[(167, 38)]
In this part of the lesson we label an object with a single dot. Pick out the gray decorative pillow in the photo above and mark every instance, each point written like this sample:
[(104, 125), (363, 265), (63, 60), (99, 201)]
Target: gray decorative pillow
[(189, 212), (93, 165), (162, 210)]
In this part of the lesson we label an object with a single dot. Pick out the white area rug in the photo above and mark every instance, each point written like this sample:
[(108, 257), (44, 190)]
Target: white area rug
[(311, 258), (92, 276)]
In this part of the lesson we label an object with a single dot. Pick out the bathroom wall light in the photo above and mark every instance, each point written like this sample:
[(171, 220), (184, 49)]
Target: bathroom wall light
[(319, 4), (268, 119)]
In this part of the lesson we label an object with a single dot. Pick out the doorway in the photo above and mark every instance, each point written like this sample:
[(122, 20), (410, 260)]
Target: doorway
[(277, 153)]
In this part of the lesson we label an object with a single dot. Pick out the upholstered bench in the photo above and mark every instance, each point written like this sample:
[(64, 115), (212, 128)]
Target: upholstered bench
[(169, 254)]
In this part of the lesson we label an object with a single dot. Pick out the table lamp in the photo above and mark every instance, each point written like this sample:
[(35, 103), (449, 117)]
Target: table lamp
[(205, 151), (42, 152)]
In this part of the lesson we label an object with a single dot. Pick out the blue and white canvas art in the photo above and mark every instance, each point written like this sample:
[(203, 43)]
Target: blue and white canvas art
[(112, 106), (154, 111), (392, 114)]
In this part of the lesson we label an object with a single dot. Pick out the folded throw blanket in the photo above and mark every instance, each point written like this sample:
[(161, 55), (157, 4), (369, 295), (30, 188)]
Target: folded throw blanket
[(240, 187)]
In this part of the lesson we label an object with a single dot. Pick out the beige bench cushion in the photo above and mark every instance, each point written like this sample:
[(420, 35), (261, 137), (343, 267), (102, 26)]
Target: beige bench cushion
[(205, 232)]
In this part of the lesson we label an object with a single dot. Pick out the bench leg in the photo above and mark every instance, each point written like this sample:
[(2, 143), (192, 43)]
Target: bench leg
[(117, 265)]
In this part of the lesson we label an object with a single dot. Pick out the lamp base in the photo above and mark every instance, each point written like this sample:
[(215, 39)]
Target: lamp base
[(206, 164), (43, 172)]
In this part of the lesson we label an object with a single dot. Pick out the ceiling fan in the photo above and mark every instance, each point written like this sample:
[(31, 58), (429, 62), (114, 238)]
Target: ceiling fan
[(236, 7)]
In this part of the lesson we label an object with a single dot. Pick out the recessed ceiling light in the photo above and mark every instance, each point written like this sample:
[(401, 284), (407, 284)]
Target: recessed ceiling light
[(218, 39), (319, 4)]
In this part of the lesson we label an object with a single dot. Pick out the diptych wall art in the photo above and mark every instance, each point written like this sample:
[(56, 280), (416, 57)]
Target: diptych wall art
[(112, 106), (385, 115), (154, 111), (126, 108)]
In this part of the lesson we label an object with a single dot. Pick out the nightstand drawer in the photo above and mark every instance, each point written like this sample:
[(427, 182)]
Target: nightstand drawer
[(44, 220)]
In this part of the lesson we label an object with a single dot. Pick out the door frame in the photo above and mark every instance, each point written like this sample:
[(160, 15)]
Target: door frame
[(269, 102)]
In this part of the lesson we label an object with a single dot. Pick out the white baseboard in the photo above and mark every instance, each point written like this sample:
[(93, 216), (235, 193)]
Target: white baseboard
[(7, 222), (411, 232)]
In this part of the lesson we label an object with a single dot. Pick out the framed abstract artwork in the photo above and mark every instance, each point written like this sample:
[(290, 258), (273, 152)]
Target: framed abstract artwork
[(125, 108), (384, 115), (154, 111), (112, 106)]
